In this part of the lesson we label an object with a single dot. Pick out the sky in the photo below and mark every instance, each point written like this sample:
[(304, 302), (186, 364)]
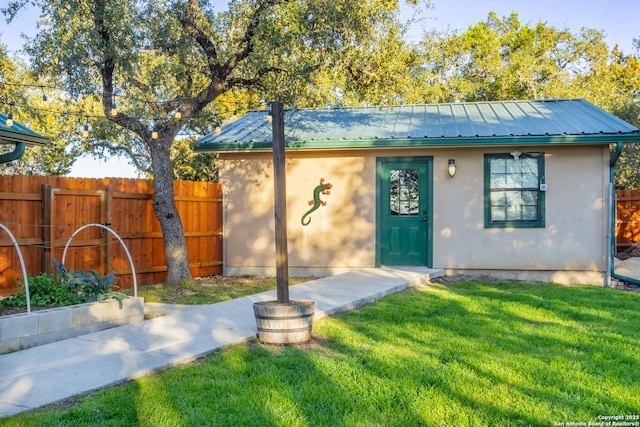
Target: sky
[(618, 19)]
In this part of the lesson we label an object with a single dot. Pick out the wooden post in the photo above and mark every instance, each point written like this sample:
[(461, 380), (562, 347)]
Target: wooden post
[(107, 256), (47, 197), (280, 203)]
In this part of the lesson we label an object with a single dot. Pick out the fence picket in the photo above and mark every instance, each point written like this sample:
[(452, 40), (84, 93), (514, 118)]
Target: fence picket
[(627, 218)]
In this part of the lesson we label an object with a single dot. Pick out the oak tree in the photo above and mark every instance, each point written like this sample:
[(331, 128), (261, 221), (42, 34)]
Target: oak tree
[(154, 66)]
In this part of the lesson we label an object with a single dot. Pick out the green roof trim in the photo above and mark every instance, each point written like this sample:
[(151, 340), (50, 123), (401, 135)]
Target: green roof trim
[(408, 143), (566, 121), (18, 133)]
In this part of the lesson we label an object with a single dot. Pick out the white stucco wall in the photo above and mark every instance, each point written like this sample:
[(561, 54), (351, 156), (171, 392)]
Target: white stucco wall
[(573, 239), (341, 235)]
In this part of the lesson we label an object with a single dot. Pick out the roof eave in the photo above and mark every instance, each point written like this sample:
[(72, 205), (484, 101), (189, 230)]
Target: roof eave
[(474, 141), (8, 137)]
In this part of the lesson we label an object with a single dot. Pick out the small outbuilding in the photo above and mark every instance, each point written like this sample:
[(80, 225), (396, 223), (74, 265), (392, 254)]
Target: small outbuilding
[(516, 189)]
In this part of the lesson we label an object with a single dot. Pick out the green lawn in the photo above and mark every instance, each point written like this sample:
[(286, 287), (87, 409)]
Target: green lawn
[(464, 354), (209, 290)]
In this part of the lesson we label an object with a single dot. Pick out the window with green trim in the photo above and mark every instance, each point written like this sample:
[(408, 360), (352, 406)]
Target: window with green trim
[(513, 197)]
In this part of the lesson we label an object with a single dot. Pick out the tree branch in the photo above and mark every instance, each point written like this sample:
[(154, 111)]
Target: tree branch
[(140, 161), (145, 89), (141, 86), (107, 68), (219, 73), (249, 36), (254, 80), (188, 22)]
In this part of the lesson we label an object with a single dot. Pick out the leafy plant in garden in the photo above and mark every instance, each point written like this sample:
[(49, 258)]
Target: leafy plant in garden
[(45, 290), (91, 286), (67, 287), (96, 287)]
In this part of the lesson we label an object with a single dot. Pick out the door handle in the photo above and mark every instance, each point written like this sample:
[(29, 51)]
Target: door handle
[(425, 219)]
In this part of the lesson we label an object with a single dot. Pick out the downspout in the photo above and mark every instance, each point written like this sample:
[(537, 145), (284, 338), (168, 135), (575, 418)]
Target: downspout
[(13, 155), (612, 233)]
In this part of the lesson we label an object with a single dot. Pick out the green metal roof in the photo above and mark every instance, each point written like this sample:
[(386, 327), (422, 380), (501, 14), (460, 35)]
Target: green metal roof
[(559, 121), (18, 133)]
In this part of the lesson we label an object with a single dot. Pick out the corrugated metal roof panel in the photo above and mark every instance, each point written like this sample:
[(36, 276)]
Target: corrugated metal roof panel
[(433, 122), (429, 124)]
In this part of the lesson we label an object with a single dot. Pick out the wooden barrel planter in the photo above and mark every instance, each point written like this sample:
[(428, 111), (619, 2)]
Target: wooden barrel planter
[(284, 323)]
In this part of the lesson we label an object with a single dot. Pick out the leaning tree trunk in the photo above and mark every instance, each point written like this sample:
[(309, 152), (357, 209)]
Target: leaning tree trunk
[(164, 206)]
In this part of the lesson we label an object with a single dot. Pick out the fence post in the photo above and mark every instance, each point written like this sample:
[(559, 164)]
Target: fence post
[(60, 203), (47, 196), (108, 221)]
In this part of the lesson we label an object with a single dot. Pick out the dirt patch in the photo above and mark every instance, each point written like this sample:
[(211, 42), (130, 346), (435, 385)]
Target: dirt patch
[(6, 311), (628, 268), (315, 343), (62, 405), (633, 251), (484, 278)]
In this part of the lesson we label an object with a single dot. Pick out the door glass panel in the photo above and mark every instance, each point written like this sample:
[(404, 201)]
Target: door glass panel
[(404, 190)]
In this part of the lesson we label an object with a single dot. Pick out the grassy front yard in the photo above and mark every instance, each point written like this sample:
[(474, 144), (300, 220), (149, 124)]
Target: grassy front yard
[(467, 353), (209, 290)]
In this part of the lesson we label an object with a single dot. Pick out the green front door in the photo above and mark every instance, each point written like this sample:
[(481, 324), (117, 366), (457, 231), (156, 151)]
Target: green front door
[(404, 211)]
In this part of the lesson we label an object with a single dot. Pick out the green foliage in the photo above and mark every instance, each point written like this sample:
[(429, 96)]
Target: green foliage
[(155, 58), (215, 61), (502, 59), (91, 286), (96, 287), (191, 166), (627, 173), (472, 354), (45, 290), (67, 287), (15, 300), (57, 157)]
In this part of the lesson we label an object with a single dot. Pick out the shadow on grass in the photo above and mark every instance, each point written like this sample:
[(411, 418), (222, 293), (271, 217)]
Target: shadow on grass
[(462, 354), (518, 353)]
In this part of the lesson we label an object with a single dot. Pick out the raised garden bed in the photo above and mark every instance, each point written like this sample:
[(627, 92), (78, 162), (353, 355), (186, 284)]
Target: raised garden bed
[(20, 331)]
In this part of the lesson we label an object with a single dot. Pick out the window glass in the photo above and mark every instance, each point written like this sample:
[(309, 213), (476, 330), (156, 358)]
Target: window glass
[(512, 190), (404, 191)]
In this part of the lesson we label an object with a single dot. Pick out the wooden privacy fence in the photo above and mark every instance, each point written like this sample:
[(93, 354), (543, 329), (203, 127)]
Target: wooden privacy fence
[(627, 218), (43, 213)]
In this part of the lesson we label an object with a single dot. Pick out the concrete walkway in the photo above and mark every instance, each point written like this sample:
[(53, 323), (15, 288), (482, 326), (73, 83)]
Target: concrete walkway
[(49, 373)]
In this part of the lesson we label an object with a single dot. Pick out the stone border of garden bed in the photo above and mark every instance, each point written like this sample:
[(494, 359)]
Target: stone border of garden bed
[(20, 331)]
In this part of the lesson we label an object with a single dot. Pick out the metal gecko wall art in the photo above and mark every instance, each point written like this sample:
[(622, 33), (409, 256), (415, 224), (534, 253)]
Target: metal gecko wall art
[(323, 188)]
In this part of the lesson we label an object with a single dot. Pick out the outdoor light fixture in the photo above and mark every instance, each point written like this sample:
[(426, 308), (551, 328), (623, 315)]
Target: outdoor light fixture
[(451, 167), (9, 122)]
